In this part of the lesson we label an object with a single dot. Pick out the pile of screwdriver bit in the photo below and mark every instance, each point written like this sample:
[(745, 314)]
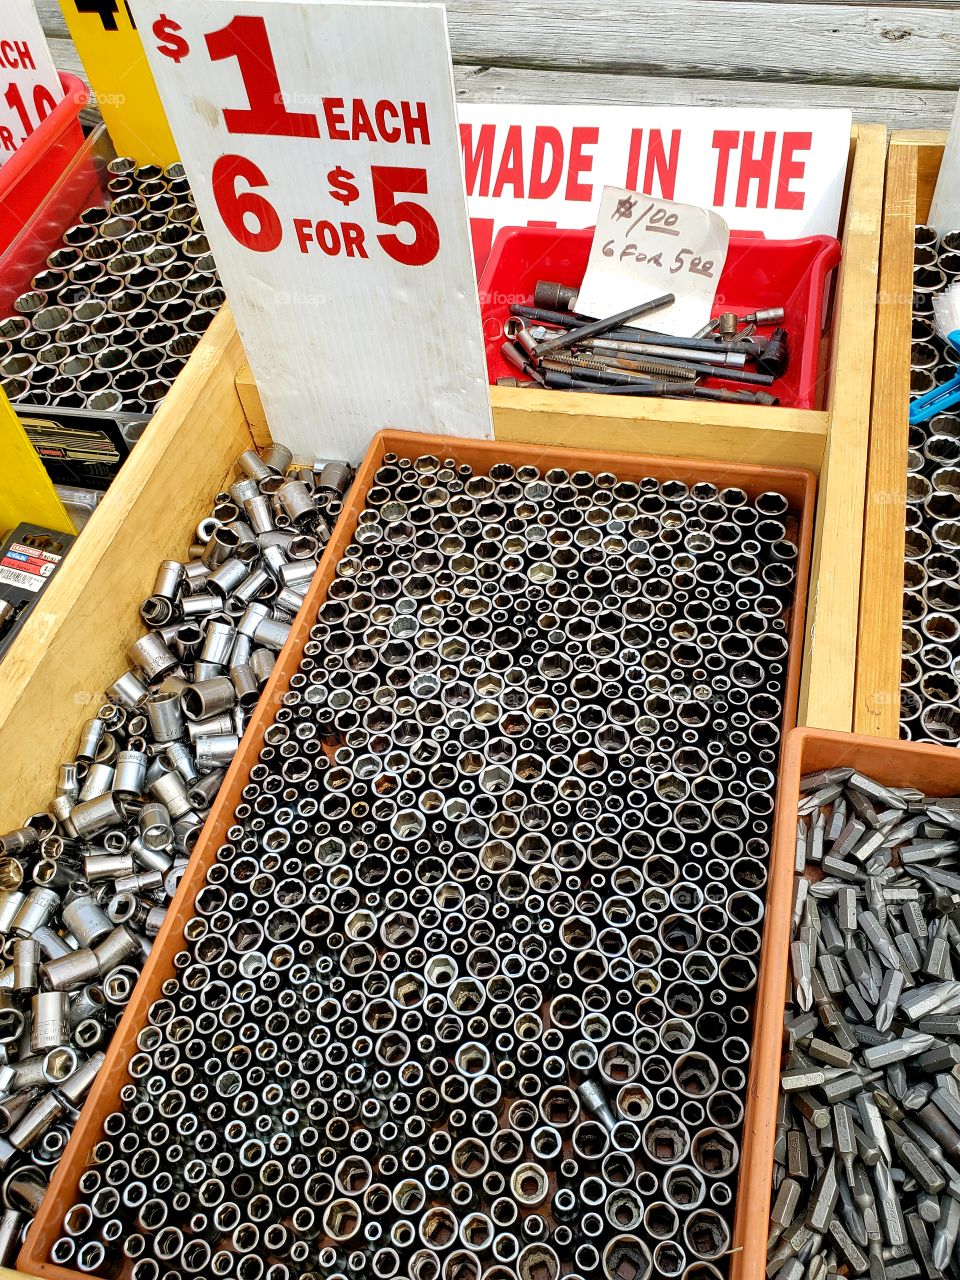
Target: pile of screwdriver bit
[(469, 987), (122, 303), (930, 672), (85, 887), (554, 347), (866, 1178)]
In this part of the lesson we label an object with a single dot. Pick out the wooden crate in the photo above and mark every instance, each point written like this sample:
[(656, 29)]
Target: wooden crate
[(912, 166), (832, 442), (797, 487), (934, 770), (73, 644)]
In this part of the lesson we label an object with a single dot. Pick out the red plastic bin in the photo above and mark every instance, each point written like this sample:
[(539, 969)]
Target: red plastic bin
[(81, 184), (758, 273), (30, 174)]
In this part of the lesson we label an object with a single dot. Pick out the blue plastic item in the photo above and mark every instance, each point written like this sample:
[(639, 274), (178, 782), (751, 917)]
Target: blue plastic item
[(940, 399)]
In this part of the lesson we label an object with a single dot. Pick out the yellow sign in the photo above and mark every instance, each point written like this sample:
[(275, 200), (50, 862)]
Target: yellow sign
[(26, 491), (112, 55)]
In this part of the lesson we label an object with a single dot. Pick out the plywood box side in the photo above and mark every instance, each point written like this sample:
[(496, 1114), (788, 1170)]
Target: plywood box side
[(928, 144), (719, 433), (249, 394), (929, 156), (877, 706), (716, 432), (828, 684), (918, 138), (73, 645)]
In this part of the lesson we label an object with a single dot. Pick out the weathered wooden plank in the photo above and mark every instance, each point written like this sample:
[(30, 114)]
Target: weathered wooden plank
[(840, 52), (738, 40), (827, 687), (51, 18), (852, 4), (66, 58), (877, 708), (901, 108)]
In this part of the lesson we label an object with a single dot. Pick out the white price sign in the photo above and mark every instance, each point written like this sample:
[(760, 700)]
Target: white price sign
[(322, 148), (772, 170), (29, 85)]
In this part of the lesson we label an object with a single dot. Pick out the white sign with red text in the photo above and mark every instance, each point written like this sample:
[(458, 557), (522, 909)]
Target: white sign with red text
[(29, 85), (320, 140), (777, 171)]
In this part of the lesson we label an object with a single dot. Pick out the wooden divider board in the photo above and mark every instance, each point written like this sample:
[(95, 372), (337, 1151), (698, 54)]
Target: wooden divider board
[(912, 166), (781, 438), (827, 691)]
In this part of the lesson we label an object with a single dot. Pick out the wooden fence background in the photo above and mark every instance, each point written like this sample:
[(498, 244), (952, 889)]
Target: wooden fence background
[(894, 63)]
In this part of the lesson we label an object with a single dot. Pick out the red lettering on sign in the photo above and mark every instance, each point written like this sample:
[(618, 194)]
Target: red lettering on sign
[(415, 127), (304, 229), (477, 160), (388, 132), (26, 57), (333, 114), (388, 183), (353, 241), (724, 142), (666, 169), (362, 124), (755, 168), (511, 164), (246, 39), (580, 164), (790, 169), (543, 185), (658, 164), (481, 235), (633, 159)]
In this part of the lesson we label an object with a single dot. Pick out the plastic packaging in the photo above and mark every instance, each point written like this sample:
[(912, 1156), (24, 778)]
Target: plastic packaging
[(28, 176)]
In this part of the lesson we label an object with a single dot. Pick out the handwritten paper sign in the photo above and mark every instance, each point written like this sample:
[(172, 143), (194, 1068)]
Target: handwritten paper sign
[(644, 247)]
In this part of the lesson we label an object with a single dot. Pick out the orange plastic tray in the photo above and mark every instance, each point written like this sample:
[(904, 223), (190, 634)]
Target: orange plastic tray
[(936, 771), (799, 487)]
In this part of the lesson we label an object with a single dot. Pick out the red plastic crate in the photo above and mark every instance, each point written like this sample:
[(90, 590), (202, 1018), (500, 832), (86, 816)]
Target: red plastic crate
[(82, 183), (758, 273), (31, 173)]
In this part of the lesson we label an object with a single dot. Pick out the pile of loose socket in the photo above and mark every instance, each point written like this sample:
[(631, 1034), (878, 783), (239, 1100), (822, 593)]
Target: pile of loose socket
[(930, 680), (867, 1173), (122, 302), (476, 994), (85, 886)]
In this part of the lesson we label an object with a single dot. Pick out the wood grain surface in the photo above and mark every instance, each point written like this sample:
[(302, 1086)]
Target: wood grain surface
[(897, 108), (740, 39), (877, 707), (891, 63), (827, 690)]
